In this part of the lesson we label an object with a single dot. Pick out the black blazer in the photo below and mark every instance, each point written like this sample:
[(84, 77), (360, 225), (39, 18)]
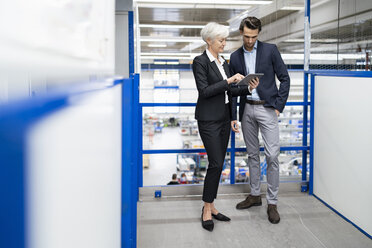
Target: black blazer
[(269, 62), (211, 87)]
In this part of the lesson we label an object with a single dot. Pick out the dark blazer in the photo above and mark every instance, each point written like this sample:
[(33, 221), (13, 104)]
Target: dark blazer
[(269, 62), (211, 87)]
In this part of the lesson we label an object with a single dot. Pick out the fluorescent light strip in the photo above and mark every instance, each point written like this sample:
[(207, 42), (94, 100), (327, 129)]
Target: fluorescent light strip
[(169, 57), (168, 54), (160, 63), (191, 6), (292, 8), (171, 39), (212, 2), (170, 26), (157, 45), (312, 40)]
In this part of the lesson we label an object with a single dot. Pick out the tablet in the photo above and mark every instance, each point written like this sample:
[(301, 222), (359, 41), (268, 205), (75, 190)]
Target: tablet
[(249, 77)]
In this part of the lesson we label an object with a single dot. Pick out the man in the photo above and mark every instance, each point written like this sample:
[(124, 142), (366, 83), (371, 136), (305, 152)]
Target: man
[(260, 111), (174, 180)]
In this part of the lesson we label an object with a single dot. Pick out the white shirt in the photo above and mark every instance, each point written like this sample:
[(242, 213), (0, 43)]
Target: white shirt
[(250, 64), (220, 68)]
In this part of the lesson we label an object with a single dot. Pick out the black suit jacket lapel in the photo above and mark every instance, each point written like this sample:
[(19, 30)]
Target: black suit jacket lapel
[(215, 68), (226, 68), (242, 61), (258, 56), (258, 59), (213, 65)]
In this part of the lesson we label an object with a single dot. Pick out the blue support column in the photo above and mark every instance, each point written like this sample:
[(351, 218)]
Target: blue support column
[(311, 179), (131, 42), (139, 128), (307, 9), (232, 159), (304, 127), (12, 184), (15, 121), (140, 146), (307, 43), (129, 199), (135, 143)]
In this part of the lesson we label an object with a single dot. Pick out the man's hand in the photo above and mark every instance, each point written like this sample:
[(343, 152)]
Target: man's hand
[(234, 79), (235, 126), (253, 84), (277, 112)]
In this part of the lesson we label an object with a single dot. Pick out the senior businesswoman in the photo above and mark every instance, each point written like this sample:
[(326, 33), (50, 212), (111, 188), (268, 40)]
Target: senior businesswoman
[(213, 112)]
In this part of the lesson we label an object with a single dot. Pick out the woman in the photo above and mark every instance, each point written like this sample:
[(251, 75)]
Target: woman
[(213, 112)]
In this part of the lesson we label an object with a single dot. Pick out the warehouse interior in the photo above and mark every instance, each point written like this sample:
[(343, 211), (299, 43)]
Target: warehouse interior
[(97, 113)]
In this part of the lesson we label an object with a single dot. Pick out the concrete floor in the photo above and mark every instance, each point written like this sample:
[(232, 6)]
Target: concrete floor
[(305, 222), (162, 166)]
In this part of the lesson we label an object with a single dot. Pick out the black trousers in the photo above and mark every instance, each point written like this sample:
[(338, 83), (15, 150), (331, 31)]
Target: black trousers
[(215, 137)]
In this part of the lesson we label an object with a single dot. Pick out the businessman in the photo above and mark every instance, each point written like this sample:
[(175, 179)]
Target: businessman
[(260, 110)]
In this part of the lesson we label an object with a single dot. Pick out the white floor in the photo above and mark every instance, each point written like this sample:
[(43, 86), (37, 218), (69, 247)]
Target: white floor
[(162, 166), (305, 222)]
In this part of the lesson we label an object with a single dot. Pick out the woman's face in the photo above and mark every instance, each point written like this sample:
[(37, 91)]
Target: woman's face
[(217, 45)]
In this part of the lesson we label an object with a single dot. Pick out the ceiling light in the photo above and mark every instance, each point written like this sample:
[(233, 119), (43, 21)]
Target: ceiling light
[(292, 8), (171, 39), (312, 40), (170, 26), (212, 2), (160, 63), (173, 62), (167, 57), (157, 45), (193, 4), (165, 54), (190, 6)]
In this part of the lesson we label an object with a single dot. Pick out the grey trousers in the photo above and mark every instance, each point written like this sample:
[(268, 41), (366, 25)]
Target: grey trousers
[(255, 118)]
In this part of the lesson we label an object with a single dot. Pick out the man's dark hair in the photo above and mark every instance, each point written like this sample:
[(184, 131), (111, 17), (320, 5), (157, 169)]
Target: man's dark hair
[(250, 22), (174, 176)]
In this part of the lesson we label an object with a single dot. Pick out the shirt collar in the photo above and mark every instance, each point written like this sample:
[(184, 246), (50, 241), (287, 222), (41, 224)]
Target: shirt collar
[(254, 48), (211, 58)]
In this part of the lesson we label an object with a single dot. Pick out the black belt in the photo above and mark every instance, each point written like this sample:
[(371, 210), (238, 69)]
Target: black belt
[(252, 102)]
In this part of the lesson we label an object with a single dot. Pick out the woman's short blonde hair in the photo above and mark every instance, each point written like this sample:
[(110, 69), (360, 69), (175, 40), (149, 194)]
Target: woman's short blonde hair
[(214, 30)]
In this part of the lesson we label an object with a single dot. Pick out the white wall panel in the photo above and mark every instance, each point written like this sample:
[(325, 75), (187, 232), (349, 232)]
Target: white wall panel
[(74, 174), (57, 37), (342, 146), (54, 42)]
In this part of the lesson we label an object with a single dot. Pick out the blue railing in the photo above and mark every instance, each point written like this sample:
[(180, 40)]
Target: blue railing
[(15, 120), (304, 148), (130, 169)]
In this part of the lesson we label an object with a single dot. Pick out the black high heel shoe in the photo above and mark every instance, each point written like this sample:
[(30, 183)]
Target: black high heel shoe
[(221, 217), (208, 224)]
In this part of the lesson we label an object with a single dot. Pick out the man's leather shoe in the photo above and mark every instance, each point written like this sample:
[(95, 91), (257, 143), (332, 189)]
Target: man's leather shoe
[(273, 214), (221, 217), (250, 201), (208, 224)]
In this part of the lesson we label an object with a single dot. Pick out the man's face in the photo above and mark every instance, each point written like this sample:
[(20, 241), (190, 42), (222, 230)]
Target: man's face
[(249, 37)]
